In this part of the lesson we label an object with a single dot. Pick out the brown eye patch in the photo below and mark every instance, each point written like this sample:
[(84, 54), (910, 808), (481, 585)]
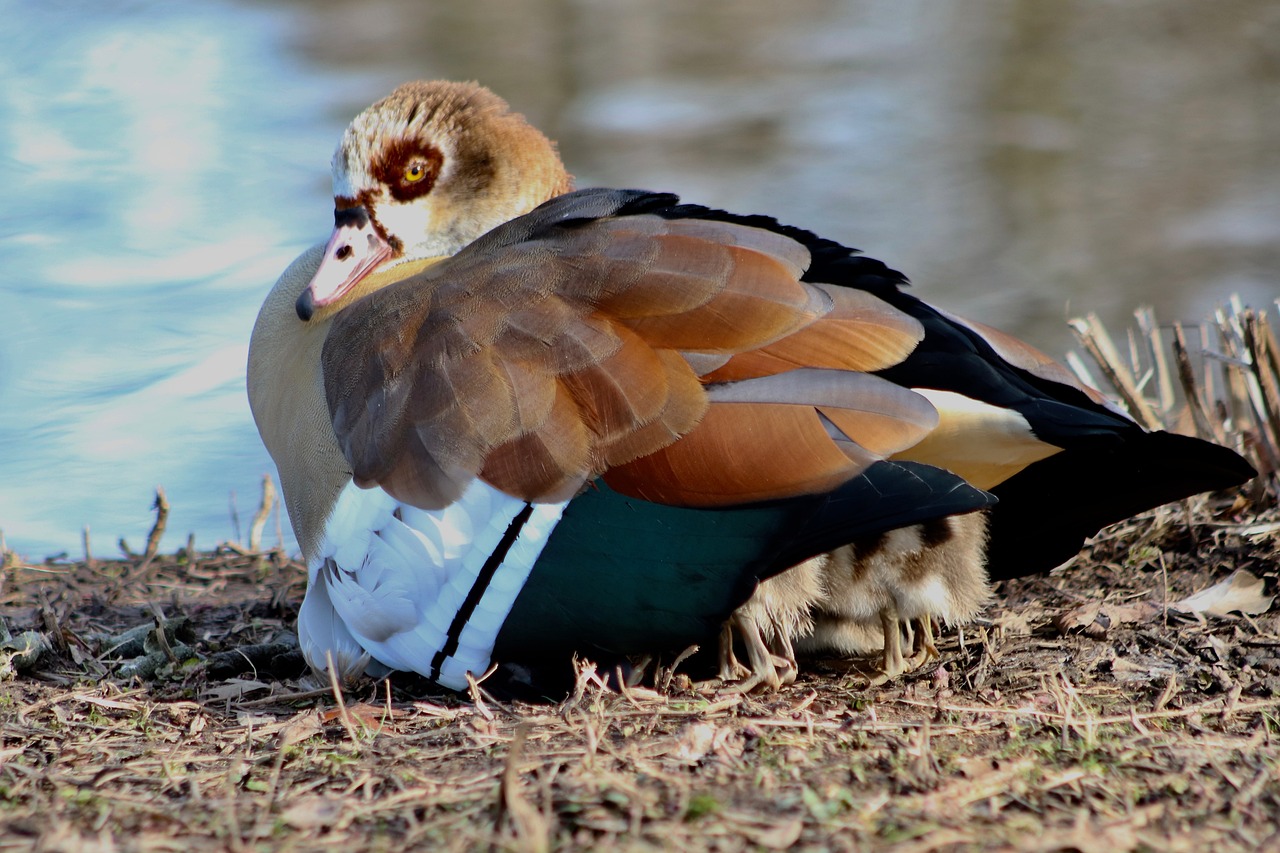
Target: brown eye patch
[(409, 169)]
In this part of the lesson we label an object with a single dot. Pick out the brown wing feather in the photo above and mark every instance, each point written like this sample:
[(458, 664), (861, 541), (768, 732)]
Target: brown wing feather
[(685, 405), (549, 463), (755, 300), (859, 332), (738, 453), (622, 391), (539, 363), (780, 435)]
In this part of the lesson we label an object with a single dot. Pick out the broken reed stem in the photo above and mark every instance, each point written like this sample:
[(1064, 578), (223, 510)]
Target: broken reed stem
[(1259, 343), (89, 562), (1239, 405), (1210, 388), (1244, 367), (263, 513), (1146, 317), (162, 519), (158, 615), (1094, 338), (343, 714), (1187, 376)]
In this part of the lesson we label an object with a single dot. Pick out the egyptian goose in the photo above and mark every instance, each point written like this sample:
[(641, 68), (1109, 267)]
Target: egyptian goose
[(506, 432)]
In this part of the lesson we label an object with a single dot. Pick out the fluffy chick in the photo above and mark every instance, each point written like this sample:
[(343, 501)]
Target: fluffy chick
[(878, 590)]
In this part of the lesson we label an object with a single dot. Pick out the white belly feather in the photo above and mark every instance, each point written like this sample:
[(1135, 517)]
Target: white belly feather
[(390, 583)]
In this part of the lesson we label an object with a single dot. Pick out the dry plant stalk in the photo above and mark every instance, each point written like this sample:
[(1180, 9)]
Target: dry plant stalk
[(263, 513), (157, 531), (1186, 375), (1233, 400), (1094, 338)]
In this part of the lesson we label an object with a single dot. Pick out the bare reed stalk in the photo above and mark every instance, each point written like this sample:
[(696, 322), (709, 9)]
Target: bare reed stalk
[(1156, 352), (530, 826), (1233, 397), (1094, 338), (89, 561), (263, 513), (157, 530), (1190, 388)]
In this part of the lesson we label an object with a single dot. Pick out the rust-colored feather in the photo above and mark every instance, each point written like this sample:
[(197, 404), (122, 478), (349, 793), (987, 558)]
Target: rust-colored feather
[(621, 392), (550, 463), (859, 332), (757, 300), (780, 435), (684, 407), (739, 452)]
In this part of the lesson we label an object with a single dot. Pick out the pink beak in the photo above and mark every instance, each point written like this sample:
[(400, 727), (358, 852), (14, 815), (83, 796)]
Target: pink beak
[(354, 250)]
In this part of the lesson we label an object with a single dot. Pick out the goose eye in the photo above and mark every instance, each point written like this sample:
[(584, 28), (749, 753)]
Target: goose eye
[(415, 172)]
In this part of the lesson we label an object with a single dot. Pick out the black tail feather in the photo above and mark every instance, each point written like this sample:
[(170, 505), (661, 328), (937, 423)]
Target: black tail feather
[(1047, 511)]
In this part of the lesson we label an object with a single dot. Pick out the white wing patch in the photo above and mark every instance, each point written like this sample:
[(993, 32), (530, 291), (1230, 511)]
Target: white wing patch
[(390, 584)]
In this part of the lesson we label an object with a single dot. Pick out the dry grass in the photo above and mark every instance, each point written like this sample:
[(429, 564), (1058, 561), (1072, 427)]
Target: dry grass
[(1156, 734), (1067, 719)]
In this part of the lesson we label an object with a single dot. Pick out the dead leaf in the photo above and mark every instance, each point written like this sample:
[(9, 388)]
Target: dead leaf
[(313, 812), (369, 716), (107, 703), (1013, 624), (699, 740), (1240, 592), (1096, 618), (304, 725), (234, 688), (781, 836)]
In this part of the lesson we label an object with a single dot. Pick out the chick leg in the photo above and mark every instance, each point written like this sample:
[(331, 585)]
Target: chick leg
[(784, 657), (764, 664), (731, 669), (927, 651), (893, 663)]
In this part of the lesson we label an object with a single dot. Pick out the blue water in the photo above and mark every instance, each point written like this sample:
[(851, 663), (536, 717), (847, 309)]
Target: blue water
[(163, 162), (161, 166)]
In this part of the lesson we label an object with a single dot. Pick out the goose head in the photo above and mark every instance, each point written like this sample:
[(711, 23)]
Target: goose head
[(419, 175)]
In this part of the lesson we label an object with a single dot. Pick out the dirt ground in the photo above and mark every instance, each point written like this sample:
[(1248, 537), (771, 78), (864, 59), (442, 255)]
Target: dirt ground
[(1081, 712)]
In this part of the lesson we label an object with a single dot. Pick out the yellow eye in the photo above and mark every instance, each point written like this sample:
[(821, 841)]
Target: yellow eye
[(415, 172)]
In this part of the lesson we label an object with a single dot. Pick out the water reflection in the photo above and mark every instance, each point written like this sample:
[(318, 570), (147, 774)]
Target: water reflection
[(167, 161)]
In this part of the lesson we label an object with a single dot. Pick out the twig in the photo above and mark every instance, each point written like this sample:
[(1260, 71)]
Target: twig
[(529, 824), (263, 513), (1150, 329), (161, 639), (1258, 340), (52, 626), (1170, 690), (161, 507), (286, 697)]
